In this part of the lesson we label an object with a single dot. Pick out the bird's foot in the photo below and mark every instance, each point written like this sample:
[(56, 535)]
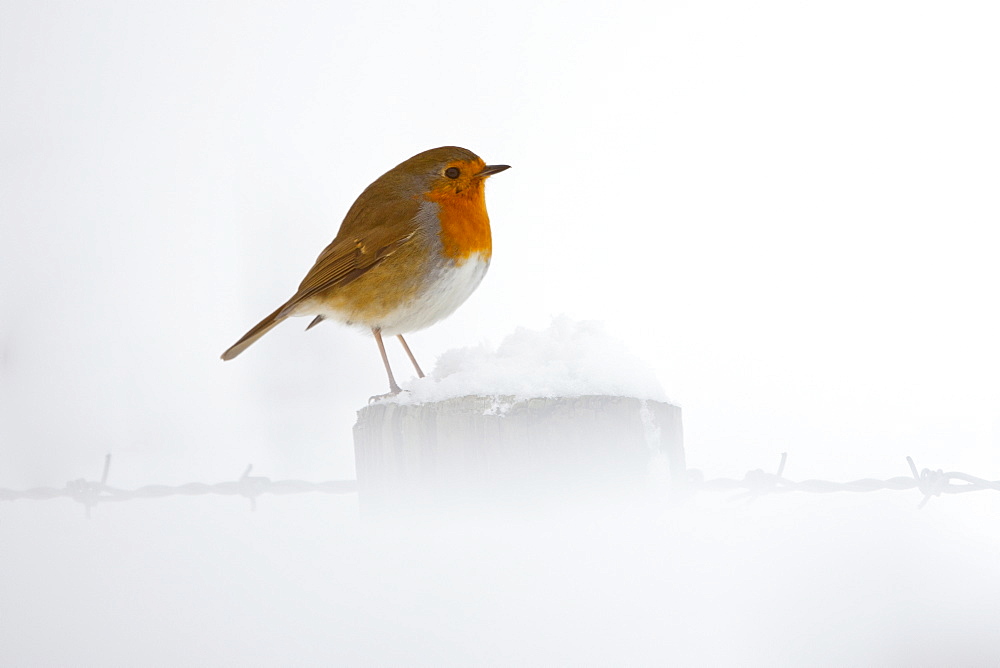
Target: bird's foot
[(393, 391)]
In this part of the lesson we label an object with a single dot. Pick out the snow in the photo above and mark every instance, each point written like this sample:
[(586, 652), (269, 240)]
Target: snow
[(567, 359)]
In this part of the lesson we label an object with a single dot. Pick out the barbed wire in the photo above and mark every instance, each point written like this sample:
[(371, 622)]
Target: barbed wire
[(91, 493), (753, 485), (930, 482)]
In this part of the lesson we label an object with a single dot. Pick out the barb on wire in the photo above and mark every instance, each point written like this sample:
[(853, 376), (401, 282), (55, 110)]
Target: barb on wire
[(90, 493), (760, 482)]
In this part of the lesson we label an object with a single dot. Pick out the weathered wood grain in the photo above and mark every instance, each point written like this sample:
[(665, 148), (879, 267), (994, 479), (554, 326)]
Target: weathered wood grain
[(496, 449)]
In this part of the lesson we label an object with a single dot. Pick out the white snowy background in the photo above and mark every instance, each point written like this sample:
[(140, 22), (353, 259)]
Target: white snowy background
[(787, 210)]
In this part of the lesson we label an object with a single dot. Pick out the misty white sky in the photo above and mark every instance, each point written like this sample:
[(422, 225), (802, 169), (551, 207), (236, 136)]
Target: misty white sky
[(788, 210)]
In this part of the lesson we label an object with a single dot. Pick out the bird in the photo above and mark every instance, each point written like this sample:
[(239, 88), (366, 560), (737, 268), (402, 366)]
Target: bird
[(411, 249)]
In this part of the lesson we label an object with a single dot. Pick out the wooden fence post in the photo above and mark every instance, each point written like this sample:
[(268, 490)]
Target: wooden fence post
[(498, 450)]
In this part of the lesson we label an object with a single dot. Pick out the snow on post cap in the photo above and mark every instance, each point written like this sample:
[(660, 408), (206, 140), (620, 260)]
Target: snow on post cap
[(568, 359)]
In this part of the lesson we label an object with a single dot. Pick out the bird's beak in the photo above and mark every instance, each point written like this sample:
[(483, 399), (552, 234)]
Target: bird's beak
[(490, 170)]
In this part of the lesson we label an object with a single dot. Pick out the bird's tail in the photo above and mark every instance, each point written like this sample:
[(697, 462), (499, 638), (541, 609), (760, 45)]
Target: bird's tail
[(259, 330)]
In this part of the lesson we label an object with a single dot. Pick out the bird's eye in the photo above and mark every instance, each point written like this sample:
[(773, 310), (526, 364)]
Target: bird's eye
[(452, 172)]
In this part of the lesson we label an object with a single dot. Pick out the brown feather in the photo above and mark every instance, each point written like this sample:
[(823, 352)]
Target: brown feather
[(258, 330), (347, 258)]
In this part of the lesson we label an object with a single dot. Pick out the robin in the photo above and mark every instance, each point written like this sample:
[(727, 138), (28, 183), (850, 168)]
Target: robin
[(412, 248)]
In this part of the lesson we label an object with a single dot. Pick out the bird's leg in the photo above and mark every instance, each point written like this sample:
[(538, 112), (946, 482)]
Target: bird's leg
[(412, 358), (393, 388)]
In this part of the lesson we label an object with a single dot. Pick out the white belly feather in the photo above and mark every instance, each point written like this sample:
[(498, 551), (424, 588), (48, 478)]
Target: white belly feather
[(446, 290)]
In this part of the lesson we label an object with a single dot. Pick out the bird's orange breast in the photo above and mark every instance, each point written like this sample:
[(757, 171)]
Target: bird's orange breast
[(465, 225)]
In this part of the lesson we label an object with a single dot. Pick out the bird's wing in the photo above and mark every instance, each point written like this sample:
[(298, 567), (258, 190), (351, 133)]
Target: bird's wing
[(347, 258)]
